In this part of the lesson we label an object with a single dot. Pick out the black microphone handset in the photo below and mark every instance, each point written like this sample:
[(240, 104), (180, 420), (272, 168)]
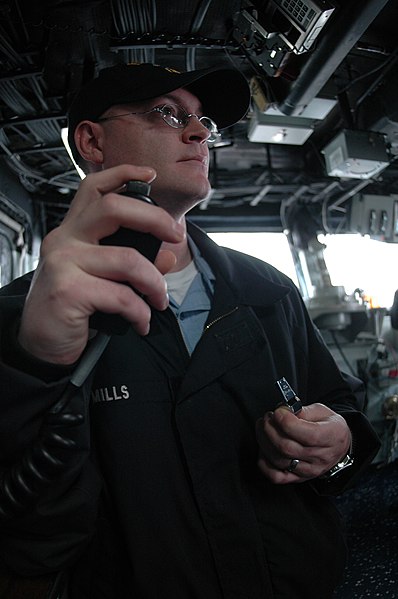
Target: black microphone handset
[(148, 245)]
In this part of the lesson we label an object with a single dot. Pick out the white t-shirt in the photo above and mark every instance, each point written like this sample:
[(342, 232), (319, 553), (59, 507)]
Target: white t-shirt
[(179, 282)]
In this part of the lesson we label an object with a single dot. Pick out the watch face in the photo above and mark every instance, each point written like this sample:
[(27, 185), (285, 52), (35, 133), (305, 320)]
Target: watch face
[(6, 269)]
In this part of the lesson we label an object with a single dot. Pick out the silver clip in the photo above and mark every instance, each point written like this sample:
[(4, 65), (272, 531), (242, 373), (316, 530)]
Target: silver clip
[(290, 399)]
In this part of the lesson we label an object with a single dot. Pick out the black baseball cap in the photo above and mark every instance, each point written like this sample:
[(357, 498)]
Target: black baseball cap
[(223, 92)]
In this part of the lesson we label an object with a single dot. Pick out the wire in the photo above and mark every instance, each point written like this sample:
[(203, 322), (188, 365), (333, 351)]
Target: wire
[(48, 456), (384, 64), (196, 24), (199, 16), (154, 14), (342, 354)]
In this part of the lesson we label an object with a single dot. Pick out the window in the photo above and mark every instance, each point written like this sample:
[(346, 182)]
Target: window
[(353, 261), (356, 262), (270, 247), (6, 260)]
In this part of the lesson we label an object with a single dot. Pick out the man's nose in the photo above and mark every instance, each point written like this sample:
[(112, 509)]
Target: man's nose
[(195, 130)]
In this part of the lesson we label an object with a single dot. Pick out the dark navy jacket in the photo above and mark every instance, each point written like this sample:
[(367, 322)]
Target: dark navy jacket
[(162, 496)]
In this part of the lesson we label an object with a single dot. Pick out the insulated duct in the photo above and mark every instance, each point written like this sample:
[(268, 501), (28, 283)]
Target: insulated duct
[(346, 28)]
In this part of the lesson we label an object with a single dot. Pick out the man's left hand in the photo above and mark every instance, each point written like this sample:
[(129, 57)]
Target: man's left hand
[(309, 443)]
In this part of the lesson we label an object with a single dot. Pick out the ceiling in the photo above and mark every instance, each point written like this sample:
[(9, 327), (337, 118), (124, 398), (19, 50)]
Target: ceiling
[(48, 49)]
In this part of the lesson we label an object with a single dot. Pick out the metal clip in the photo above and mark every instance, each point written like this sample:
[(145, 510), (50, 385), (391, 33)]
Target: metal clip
[(290, 399)]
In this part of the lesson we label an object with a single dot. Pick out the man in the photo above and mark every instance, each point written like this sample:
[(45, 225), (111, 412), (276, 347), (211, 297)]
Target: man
[(186, 478)]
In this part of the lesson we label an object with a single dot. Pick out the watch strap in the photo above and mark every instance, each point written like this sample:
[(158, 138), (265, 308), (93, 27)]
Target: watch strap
[(341, 465)]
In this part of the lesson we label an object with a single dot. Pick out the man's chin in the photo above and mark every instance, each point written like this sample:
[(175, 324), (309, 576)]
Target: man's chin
[(207, 195), (178, 202)]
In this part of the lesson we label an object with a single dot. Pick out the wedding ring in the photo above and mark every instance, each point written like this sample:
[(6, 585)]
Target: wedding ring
[(293, 465)]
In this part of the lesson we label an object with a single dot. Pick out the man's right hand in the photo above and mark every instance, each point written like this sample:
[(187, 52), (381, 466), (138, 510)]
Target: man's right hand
[(76, 276)]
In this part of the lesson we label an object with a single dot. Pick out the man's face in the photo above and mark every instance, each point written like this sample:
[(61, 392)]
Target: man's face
[(179, 156)]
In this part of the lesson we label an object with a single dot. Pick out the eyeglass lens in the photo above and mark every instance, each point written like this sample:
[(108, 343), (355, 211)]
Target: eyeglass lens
[(175, 116)]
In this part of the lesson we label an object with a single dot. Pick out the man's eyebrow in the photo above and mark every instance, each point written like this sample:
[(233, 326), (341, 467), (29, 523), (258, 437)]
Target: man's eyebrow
[(171, 97)]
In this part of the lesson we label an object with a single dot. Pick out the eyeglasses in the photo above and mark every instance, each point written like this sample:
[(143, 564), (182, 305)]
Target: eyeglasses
[(175, 116)]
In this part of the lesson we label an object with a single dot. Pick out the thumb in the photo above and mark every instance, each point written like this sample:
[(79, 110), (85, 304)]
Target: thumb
[(315, 412), (165, 261)]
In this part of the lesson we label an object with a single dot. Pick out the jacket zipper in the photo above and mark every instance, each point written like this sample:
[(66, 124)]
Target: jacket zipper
[(216, 320), (207, 327)]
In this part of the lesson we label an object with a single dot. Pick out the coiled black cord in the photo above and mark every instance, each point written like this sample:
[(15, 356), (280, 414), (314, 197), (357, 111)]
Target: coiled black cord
[(48, 456)]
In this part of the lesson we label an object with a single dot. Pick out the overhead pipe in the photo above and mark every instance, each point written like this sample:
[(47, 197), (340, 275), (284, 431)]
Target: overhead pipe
[(351, 21)]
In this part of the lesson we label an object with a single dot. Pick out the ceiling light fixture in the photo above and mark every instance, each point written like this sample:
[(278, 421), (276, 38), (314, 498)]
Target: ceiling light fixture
[(356, 154), (279, 136), (270, 125)]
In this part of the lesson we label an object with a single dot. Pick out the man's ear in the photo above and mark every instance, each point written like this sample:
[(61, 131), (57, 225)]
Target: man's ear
[(88, 141)]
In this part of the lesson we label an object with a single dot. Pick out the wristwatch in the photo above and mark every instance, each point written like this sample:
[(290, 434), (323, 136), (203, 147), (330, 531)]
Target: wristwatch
[(344, 463)]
